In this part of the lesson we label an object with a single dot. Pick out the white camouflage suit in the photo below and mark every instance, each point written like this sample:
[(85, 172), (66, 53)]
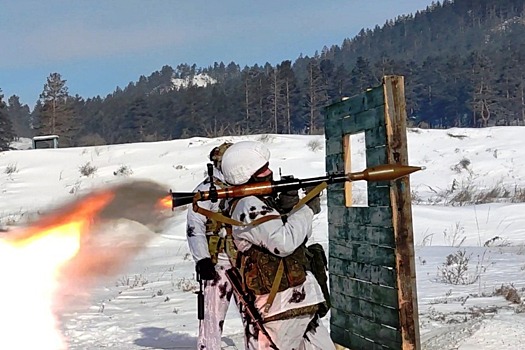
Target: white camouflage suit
[(239, 162), (217, 293)]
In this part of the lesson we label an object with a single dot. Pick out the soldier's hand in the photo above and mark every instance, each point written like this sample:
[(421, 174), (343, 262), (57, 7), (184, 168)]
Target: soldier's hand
[(287, 200), (314, 203), (205, 270)]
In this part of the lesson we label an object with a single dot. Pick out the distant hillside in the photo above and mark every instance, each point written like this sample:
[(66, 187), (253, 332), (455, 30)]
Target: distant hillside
[(461, 61)]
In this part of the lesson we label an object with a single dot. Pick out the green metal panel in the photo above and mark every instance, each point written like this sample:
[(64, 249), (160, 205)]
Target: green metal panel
[(364, 290), (356, 216), (378, 194), (381, 236), (333, 126), (375, 97), (376, 155), (334, 163), (381, 334), (374, 274), (336, 198), (362, 252), (363, 121), (365, 313), (375, 137), (353, 341), (373, 312), (334, 145)]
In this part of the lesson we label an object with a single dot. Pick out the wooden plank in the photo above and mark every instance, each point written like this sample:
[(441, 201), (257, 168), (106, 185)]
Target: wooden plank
[(373, 312), (371, 273), (362, 290), (347, 159), (362, 252), (361, 326), (395, 117), (381, 236), (354, 341)]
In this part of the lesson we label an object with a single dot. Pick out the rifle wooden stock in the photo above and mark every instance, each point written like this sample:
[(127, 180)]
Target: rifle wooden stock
[(386, 172), (251, 312)]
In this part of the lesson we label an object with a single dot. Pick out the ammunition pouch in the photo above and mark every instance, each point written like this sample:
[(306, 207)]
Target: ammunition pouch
[(218, 244), (213, 226), (318, 265), (261, 269)]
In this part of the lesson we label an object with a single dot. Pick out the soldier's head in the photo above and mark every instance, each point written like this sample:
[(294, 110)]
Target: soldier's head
[(217, 153), (246, 161)]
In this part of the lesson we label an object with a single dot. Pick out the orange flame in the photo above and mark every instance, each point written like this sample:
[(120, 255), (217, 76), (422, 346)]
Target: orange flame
[(30, 265), (166, 202)]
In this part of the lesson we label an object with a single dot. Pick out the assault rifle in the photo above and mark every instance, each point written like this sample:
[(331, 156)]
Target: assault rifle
[(385, 172), (252, 314)]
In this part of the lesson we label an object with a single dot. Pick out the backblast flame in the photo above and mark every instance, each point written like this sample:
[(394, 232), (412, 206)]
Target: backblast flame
[(47, 262), (30, 264)]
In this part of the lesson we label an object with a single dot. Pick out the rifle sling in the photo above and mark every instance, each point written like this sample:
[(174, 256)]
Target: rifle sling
[(275, 286)]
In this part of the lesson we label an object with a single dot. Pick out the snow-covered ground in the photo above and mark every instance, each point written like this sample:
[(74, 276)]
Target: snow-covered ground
[(149, 303)]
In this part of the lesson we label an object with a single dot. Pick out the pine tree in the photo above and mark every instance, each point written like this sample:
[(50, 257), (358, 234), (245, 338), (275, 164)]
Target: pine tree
[(6, 128), (20, 117), (55, 116), (288, 86)]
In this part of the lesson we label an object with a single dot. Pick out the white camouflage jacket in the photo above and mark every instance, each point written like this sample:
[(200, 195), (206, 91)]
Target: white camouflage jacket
[(196, 224)]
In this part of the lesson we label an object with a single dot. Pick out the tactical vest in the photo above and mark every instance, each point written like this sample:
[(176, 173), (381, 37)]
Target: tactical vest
[(264, 272), (261, 269)]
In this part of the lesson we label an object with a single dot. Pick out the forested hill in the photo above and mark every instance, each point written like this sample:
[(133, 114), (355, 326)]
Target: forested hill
[(462, 61)]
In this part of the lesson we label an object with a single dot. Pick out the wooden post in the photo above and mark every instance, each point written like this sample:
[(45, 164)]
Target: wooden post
[(395, 114)]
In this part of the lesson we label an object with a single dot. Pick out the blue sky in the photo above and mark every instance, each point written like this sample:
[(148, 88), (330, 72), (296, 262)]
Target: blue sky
[(98, 45)]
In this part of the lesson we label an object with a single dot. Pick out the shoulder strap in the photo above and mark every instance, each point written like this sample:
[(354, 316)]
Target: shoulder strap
[(275, 286)]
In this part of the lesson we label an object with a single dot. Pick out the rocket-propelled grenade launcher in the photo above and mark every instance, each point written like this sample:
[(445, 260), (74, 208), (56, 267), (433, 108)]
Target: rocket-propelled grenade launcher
[(385, 172)]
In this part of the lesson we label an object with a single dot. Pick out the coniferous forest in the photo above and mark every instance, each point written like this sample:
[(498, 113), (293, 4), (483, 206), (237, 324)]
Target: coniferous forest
[(462, 61)]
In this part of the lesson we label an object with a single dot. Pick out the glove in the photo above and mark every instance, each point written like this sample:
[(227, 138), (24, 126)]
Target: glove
[(314, 203), (205, 269), (287, 200)]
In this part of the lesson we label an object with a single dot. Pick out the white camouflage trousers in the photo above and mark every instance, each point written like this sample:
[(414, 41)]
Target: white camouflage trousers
[(217, 296), (299, 333)]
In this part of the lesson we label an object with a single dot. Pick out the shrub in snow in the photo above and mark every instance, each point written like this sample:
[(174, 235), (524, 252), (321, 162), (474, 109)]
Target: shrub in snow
[(11, 169), (510, 293), (315, 145), (124, 170), (186, 284), (457, 269), (87, 169)]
